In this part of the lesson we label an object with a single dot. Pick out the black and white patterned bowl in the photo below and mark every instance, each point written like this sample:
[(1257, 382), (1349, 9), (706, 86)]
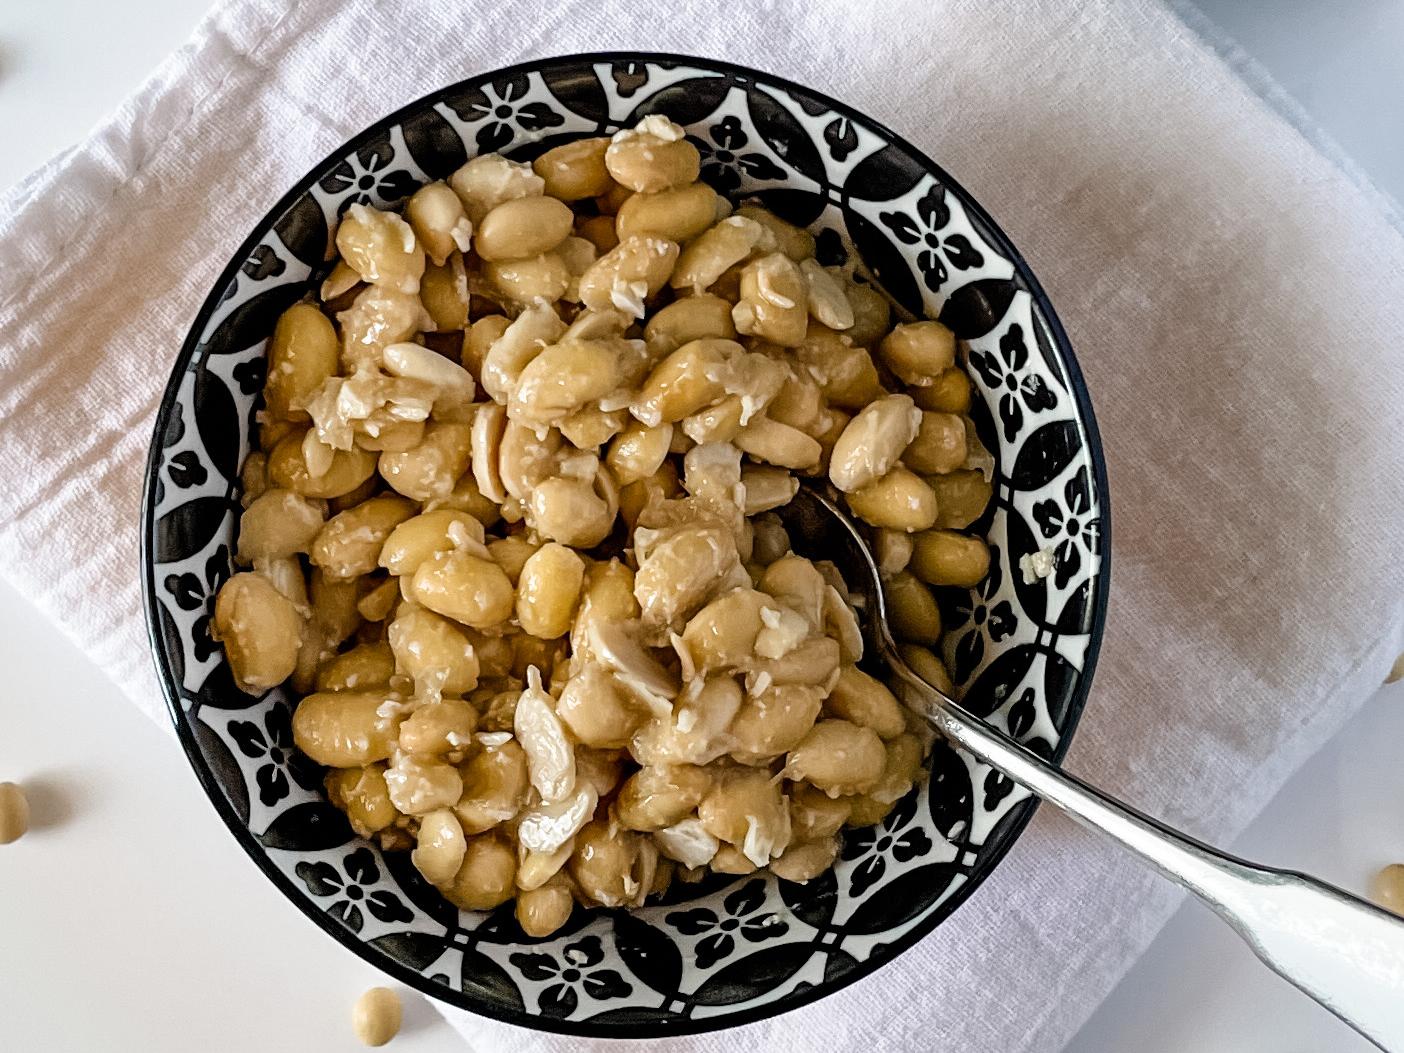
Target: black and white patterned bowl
[(730, 950)]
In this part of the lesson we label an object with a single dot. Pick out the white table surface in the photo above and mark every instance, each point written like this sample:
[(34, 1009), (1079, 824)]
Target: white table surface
[(106, 942)]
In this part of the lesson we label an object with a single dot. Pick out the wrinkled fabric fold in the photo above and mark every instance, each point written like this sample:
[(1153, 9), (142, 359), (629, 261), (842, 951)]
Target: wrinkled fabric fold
[(1235, 301)]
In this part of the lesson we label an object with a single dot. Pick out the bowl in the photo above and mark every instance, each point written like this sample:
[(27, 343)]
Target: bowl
[(1020, 647)]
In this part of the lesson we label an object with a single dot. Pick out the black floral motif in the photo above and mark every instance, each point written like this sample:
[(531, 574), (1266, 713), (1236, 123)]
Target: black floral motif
[(272, 744), (872, 844), (740, 907), (1022, 713), (982, 614), (1077, 529), (192, 594), (629, 77), (370, 170), (348, 886), (963, 255), (935, 215), (997, 787), (262, 263), (1007, 371), (501, 102), (842, 140), (250, 373), (186, 590), (722, 159), (577, 969), (186, 470)]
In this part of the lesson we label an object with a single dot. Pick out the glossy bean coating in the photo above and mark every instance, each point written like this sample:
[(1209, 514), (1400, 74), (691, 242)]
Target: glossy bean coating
[(260, 630)]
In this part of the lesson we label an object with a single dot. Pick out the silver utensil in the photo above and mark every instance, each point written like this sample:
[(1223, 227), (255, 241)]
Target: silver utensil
[(1344, 952)]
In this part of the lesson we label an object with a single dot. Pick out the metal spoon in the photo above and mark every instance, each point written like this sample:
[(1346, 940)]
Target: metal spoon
[(1342, 951)]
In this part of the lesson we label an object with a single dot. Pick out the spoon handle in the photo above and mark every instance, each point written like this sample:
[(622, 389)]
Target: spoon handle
[(1342, 951)]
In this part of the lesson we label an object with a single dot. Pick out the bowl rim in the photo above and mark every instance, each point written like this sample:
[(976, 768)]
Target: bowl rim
[(882, 955)]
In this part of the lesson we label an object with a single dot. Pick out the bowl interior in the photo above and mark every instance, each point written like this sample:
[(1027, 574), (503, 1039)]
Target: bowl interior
[(1021, 647)]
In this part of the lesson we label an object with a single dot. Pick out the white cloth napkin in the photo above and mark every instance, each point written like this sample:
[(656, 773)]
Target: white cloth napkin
[(1235, 301)]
